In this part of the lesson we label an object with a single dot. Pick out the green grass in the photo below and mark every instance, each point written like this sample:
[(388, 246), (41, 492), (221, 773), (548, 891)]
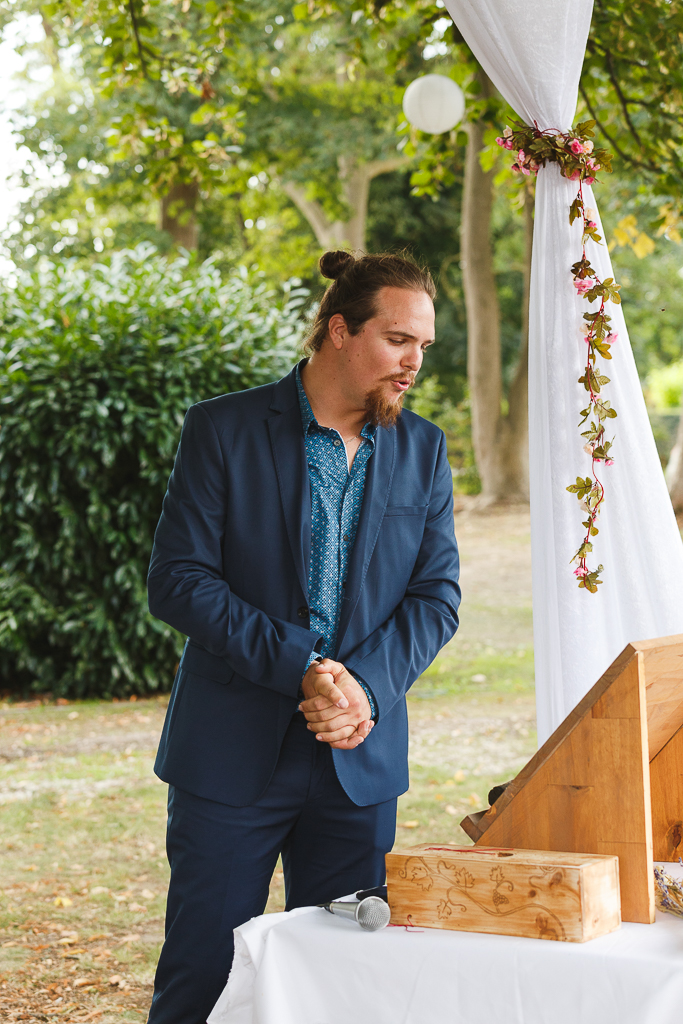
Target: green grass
[(459, 674)]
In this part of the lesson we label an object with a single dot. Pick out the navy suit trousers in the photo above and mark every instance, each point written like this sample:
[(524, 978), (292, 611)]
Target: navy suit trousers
[(222, 859)]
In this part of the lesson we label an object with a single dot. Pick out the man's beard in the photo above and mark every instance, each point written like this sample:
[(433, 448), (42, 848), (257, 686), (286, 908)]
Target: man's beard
[(382, 409)]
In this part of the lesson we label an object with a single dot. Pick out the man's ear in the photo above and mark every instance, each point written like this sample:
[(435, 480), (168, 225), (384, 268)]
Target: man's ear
[(337, 330)]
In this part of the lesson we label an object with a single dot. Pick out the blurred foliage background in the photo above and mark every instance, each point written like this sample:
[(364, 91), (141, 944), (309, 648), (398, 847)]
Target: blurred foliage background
[(102, 363), (187, 161)]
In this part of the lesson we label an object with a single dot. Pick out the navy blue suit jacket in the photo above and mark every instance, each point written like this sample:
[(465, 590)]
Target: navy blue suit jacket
[(230, 570)]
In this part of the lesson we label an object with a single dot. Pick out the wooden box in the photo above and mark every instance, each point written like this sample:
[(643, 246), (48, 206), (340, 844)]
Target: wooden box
[(569, 897), (610, 778)]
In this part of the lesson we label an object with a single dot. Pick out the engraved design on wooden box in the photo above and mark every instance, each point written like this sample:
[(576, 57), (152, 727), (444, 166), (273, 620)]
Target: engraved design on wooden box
[(496, 895), (567, 897)]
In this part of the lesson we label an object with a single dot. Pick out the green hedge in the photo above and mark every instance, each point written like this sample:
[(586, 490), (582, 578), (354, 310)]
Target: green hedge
[(97, 368)]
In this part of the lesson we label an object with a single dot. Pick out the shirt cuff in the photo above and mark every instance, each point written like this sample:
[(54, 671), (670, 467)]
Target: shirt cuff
[(374, 714), (313, 656)]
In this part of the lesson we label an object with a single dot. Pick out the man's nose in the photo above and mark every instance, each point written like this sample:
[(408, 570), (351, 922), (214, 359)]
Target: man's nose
[(412, 358)]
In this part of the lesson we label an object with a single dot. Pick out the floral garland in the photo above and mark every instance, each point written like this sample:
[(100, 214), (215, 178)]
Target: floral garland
[(668, 892), (578, 161)]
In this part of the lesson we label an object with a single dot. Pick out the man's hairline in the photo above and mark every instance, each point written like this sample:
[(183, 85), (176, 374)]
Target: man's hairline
[(377, 313)]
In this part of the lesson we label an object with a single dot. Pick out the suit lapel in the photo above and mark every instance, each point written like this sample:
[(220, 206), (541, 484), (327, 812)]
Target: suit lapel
[(380, 473), (289, 454)]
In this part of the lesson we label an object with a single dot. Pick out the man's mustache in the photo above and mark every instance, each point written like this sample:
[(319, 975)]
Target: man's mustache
[(410, 377)]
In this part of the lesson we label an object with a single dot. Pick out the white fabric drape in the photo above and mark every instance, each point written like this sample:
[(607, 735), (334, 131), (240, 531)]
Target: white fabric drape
[(308, 967), (533, 51)]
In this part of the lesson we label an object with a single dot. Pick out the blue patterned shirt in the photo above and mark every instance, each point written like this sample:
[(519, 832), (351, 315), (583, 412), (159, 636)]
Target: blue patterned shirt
[(336, 499)]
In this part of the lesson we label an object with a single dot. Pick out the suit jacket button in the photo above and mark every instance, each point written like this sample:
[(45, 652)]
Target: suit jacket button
[(303, 612)]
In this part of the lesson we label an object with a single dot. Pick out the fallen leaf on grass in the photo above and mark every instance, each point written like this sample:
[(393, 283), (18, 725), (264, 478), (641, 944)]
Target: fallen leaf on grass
[(473, 800), (409, 824), (127, 938), (63, 901), (450, 809), (68, 940)]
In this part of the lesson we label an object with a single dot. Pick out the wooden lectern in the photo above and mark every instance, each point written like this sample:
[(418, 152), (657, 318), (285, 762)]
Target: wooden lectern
[(610, 778)]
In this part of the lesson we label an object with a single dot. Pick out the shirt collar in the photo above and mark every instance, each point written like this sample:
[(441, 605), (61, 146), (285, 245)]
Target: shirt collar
[(307, 417)]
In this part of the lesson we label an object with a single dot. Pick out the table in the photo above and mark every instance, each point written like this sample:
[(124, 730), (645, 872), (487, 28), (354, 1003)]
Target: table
[(308, 967)]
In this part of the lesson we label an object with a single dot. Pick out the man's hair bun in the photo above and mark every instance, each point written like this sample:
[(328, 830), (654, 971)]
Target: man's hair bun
[(333, 264)]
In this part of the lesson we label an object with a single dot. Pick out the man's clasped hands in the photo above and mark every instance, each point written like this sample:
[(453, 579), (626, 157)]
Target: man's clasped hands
[(335, 705)]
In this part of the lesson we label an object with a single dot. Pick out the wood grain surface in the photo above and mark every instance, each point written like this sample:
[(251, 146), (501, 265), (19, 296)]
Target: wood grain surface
[(610, 778), (536, 894)]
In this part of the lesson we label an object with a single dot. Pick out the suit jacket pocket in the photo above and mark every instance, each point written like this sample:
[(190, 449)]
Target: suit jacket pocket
[(201, 662), (406, 510)]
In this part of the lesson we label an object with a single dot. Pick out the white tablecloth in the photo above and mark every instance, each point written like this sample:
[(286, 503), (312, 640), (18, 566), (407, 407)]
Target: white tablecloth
[(308, 967)]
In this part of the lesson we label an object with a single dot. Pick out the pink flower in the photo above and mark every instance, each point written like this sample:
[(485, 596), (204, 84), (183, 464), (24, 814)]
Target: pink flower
[(591, 225), (582, 286), (581, 572), (525, 170), (509, 144), (515, 167), (500, 142), (609, 462), (575, 176), (590, 162), (576, 147), (589, 181), (611, 338)]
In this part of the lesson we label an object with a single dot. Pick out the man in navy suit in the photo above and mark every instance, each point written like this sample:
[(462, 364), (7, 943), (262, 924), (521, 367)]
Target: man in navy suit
[(306, 548)]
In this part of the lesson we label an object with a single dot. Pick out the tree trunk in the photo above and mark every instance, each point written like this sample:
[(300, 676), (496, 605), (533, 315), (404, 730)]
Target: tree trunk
[(674, 470), (177, 213), (500, 441), (355, 185)]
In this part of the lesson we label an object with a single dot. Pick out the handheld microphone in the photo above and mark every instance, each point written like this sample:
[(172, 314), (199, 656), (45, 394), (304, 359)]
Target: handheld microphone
[(371, 913)]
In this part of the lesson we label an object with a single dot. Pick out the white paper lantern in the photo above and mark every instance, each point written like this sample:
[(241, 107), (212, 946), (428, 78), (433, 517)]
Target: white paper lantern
[(434, 104)]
